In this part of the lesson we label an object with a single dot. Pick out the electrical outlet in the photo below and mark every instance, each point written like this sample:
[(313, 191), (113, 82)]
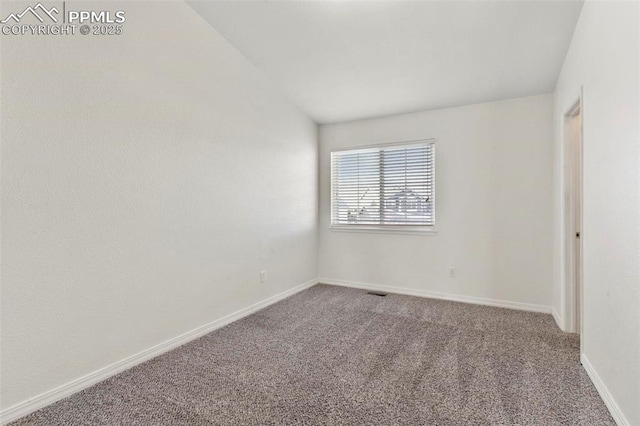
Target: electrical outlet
[(263, 277), (452, 272)]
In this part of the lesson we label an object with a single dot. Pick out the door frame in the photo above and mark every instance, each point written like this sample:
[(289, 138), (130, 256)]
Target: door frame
[(572, 216)]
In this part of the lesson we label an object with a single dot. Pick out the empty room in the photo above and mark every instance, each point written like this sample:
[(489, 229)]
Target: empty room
[(320, 212)]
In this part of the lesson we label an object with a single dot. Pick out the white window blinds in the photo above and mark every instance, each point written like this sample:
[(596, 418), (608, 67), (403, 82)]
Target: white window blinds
[(387, 185)]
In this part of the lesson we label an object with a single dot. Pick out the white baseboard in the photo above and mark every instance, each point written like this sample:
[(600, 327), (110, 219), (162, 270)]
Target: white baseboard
[(558, 318), (439, 295), (615, 411), (68, 389)]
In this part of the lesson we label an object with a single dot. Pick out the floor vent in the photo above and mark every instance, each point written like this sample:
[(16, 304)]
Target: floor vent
[(376, 293)]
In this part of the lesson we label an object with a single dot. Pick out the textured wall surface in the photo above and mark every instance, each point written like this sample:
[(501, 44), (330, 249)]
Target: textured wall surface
[(493, 204), (603, 58), (147, 179)]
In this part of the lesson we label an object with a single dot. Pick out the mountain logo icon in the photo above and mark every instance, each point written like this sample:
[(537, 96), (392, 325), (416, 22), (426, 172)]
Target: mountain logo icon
[(38, 11)]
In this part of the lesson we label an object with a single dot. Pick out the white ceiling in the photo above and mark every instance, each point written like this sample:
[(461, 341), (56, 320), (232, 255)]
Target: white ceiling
[(346, 60)]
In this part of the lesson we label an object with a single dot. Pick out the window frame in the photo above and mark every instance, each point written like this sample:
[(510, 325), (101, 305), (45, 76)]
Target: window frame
[(405, 229)]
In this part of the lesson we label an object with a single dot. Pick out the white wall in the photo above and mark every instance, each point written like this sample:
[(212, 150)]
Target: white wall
[(146, 180), (603, 57), (493, 204)]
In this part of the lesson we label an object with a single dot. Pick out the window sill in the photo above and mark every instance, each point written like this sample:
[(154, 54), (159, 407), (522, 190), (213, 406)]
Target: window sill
[(373, 229)]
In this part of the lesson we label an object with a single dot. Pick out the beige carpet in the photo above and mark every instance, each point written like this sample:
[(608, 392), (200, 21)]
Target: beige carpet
[(333, 355)]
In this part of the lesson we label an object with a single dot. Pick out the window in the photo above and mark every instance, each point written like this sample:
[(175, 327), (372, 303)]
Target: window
[(384, 186)]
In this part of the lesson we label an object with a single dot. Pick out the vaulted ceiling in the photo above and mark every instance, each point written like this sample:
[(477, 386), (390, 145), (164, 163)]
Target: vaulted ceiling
[(345, 60)]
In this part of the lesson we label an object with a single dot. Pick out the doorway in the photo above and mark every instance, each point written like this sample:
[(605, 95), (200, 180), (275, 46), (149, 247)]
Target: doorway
[(573, 214)]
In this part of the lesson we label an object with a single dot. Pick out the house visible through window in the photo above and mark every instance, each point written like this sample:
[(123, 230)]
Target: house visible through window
[(384, 185)]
